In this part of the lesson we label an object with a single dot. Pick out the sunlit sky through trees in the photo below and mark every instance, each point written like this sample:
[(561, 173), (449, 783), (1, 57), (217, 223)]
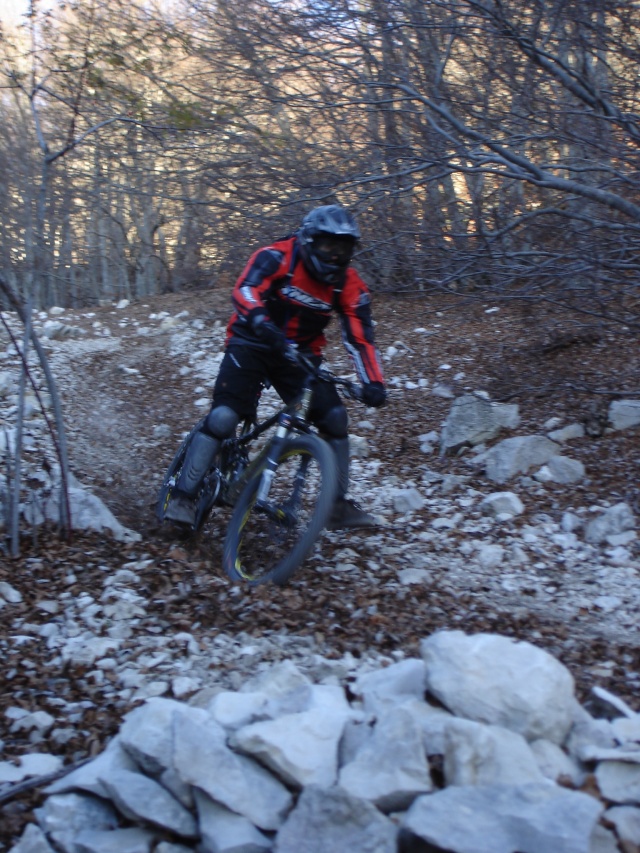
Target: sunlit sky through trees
[(11, 10)]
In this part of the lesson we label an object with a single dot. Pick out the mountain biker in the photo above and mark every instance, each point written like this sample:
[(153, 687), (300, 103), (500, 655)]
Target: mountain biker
[(288, 292)]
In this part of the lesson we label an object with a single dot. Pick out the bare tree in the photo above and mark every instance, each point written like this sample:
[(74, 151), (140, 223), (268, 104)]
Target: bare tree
[(486, 146)]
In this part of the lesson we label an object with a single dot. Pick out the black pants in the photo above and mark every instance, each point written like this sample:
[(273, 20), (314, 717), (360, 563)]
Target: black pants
[(244, 370)]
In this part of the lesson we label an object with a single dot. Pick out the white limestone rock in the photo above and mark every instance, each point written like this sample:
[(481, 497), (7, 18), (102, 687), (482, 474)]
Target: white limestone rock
[(287, 689), (517, 456), (624, 414), (498, 503), (473, 420), (31, 764), (234, 781), (383, 688), (134, 839), (141, 799), (493, 679), (616, 519), (555, 764), (619, 782), (567, 433), (331, 819), (223, 831), (479, 754), (87, 512), (562, 470), (390, 768), (63, 816), (505, 818), (32, 840), (147, 731), (235, 709), (301, 749), (627, 822), (407, 500), (9, 593)]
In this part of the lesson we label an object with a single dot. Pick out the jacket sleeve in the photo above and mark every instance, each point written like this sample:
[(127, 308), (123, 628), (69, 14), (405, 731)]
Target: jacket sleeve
[(252, 288), (354, 306)]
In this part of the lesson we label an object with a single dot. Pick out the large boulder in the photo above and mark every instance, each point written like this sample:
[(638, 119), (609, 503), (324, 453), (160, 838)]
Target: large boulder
[(473, 420), (493, 679)]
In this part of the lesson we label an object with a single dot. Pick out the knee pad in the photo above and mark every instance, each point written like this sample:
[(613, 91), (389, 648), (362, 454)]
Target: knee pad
[(221, 422), (335, 422)]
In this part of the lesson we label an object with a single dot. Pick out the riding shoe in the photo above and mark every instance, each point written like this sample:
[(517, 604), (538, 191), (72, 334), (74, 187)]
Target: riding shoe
[(181, 510), (347, 513)]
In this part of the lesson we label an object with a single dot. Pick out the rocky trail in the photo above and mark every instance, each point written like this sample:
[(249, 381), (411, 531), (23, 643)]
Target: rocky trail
[(92, 626)]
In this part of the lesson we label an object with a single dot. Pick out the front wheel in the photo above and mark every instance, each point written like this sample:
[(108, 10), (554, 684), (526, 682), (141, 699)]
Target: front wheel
[(267, 542)]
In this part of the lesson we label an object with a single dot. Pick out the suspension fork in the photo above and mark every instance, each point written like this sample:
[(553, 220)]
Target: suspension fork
[(285, 422), (277, 443)]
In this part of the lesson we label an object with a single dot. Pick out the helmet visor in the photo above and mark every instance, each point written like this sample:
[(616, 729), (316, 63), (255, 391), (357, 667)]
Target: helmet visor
[(335, 250)]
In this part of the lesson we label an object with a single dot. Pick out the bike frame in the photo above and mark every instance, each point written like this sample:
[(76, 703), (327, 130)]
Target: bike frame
[(291, 418), (224, 484)]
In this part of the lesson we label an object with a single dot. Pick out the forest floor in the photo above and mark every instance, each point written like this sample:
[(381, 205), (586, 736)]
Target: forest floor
[(551, 365)]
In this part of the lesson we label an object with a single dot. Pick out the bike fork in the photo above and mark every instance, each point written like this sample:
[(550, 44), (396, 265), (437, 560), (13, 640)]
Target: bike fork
[(273, 457)]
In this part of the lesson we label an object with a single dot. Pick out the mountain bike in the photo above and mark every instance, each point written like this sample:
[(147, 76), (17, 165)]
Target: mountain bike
[(282, 497)]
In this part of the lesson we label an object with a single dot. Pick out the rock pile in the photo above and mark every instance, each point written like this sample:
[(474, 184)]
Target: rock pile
[(477, 746)]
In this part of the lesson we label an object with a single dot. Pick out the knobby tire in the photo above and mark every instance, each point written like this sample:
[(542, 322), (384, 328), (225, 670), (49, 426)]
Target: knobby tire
[(258, 548)]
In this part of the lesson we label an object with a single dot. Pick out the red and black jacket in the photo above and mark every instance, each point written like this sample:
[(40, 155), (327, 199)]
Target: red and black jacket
[(276, 283)]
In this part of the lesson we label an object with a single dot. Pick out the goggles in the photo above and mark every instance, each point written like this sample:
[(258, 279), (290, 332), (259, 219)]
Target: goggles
[(333, 250)]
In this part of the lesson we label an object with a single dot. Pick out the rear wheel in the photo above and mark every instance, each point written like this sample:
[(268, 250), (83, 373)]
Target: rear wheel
[(268, 543)]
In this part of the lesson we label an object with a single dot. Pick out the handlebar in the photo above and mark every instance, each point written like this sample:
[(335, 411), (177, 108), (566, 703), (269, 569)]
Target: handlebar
[(351, 390)]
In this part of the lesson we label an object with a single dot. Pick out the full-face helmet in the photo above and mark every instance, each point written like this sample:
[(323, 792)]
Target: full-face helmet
[(327, 239)]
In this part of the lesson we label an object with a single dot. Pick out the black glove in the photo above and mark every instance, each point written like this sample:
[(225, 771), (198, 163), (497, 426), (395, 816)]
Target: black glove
[(374, 394), (269, 333)]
